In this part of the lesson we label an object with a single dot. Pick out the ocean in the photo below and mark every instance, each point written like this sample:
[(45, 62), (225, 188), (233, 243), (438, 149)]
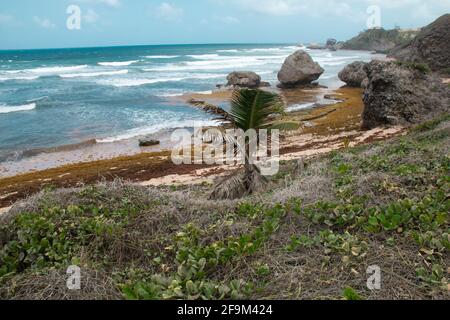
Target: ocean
[(56, 97)]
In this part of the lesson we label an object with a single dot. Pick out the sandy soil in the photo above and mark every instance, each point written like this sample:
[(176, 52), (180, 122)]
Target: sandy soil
[(307, 147)]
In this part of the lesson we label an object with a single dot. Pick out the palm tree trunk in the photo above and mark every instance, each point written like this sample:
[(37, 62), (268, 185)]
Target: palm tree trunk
[(253, 180)]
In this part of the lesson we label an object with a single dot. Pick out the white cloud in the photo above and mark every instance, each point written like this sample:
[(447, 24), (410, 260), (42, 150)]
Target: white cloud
[(109, 3), (169, 12), (44, 23), (282, 7), (6, 19), (91, 16), (342, 8), (227, 19)]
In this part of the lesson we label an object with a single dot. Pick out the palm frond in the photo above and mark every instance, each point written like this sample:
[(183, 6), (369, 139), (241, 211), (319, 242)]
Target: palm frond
[(232, 187), (253, 108), (219, 113)]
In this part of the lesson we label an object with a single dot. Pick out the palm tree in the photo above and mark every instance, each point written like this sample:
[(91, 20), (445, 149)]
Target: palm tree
[(250, 109)]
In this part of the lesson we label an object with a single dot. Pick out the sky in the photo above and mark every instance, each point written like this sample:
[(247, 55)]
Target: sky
[(29, 24)]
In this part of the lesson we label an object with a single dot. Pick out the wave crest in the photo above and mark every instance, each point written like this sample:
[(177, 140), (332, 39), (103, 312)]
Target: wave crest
[(118, 63), (9, 109)]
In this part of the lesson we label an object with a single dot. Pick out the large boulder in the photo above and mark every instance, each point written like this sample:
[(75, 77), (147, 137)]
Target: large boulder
[(430, 46), (354, 75), (148, 142), (399, 94), (299, 69), (245, 79)]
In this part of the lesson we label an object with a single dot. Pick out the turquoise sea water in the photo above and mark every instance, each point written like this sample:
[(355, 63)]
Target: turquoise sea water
[(56, 97)]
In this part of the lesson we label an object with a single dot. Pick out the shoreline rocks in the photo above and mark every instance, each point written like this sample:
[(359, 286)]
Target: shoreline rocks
[(149, 143), (402, 95), (331, 44), (243, 79), (316, 46), (299, 69), (354, 75)]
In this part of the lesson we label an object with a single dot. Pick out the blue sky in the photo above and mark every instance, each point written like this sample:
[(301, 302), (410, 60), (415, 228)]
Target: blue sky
[(42, 24)]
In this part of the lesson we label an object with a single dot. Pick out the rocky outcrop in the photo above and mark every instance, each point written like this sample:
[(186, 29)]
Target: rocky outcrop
[(354, 75), (299, 69), (331, 42), (316, 46), (334, 45), (431, 46), (398, 94), (247, 79), (148, 142), (379, 40)]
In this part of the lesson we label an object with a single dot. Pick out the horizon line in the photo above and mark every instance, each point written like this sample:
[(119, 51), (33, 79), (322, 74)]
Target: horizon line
[(149, 45)]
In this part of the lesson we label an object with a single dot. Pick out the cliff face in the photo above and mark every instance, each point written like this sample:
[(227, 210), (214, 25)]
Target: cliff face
[(431, 46), (402, 94), (379, 40)]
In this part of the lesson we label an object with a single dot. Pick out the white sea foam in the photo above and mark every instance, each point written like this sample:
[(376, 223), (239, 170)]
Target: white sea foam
[(38, 99), (161, 57), (118, 63), (268, 50), (33, 74), (167, 125), (9, 109), (56, 70), (293, 47), (230, 50), (224, 64), (93, 74), (29, 78), (204, 92), (136, 82), (203, 76), (181, 93), (170, 94), (300, 106), (133, 82), (205, 56)]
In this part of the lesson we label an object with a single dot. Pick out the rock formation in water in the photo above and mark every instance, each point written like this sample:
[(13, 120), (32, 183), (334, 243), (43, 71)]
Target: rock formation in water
[(299, 69), (245, 79)]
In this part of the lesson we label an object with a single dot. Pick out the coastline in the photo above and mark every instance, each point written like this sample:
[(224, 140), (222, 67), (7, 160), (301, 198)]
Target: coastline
[(334, 126), (96, 149)]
